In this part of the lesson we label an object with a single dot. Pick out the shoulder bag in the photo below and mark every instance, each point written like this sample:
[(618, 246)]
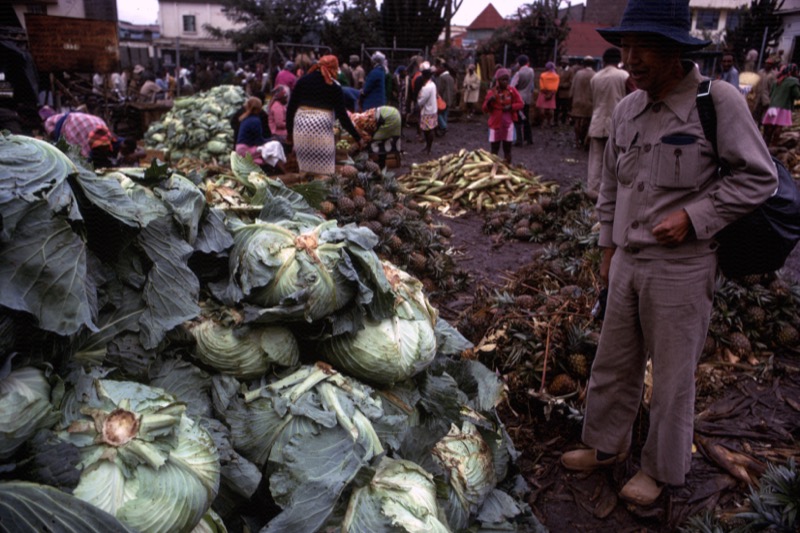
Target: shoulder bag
[(759, 242)]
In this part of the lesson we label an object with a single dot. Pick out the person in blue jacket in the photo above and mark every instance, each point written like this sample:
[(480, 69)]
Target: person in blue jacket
[(374, 92)]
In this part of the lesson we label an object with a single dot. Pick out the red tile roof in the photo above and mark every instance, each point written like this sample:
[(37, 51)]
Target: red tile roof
[(583, 40), (489, 19)]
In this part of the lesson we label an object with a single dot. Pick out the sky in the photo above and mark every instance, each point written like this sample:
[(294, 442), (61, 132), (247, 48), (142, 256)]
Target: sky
[(146, 11)]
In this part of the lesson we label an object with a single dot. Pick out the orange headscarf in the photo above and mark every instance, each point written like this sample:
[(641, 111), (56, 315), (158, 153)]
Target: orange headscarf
[(328, 66)]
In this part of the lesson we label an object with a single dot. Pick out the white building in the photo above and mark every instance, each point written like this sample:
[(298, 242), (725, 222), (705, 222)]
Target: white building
[(711, 19), (182, 26), (790, 13)]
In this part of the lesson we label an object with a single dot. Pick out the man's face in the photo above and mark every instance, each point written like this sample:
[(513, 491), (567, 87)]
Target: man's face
[(651, 61), (727, 63)]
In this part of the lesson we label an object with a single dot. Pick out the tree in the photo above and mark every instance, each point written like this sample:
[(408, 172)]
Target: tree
[(354, 23), (450, 8), (412, 23), (537, 32), (262, 21), (761, 16)]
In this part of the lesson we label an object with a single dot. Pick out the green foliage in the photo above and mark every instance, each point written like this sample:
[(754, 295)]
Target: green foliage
[(776, 503), (354, 23), (412, 23), (259, 22), (749, 34)]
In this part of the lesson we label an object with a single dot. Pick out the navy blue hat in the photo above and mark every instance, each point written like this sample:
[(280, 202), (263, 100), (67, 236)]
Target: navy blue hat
[(668, 18)]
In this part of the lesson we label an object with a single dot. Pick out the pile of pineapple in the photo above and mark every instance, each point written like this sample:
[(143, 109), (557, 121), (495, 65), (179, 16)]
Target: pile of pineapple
[(541, 219), (753, 318), (360, 193), (538, 330)]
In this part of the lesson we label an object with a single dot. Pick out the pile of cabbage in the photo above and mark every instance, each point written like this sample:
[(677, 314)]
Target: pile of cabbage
[(168, 366), (198, 126)]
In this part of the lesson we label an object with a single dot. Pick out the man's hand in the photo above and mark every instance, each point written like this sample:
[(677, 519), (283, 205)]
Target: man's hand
[(673, 228)]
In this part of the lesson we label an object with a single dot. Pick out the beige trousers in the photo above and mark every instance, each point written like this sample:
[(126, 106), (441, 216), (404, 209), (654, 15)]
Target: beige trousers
[(597, 146), (658, 308)]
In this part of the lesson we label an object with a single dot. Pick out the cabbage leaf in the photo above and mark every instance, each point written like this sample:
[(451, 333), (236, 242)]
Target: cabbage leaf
[(31, 507)]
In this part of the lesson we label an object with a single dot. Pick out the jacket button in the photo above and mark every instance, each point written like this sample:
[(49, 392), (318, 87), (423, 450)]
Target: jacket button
[(640, 187), (678, 151), (635, 224), (648, 147)]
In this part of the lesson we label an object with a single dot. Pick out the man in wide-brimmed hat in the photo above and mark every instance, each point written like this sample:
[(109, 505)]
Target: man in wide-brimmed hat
[(661, 202)]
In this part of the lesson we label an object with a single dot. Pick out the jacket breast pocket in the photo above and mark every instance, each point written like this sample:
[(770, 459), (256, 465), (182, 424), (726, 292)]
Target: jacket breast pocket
[(627, 165), (677, 162)]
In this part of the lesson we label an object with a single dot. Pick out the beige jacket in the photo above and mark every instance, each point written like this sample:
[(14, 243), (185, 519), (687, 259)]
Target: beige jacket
[(608, 88), (657, 161)]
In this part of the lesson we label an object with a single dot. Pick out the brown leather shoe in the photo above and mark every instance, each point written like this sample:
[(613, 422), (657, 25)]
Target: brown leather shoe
[(582, 460), (641, 489)]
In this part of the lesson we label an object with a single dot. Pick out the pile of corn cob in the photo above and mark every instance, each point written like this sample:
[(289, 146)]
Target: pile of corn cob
[(474, 180)]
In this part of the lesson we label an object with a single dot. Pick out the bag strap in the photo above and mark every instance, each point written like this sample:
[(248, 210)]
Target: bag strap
[(707, 112), (59, 126)]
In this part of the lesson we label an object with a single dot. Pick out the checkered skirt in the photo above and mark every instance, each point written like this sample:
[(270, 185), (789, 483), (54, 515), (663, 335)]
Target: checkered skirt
[(314, 142)]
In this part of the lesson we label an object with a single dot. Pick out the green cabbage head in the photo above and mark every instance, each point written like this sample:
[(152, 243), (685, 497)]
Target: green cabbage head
[(247, 352), (25, 408), (468, 459), (393, 349), (400, 497), (144, 461)]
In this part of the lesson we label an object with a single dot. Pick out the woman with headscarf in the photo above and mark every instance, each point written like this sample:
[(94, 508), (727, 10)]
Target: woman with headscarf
[(381, 127), (250, 135), (548, 87), (471, 90), (503, 104), (276, 111), (374, 92), (428, 110), (316, 101), (781, 102)]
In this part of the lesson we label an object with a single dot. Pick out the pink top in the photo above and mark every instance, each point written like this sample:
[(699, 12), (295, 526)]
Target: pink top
[(285, 77), (277, 118)]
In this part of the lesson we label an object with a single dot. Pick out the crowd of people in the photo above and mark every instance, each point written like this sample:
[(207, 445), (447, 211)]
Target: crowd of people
[(302, 98)]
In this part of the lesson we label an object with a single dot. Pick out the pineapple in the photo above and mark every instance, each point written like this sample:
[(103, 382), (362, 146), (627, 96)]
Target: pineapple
[(525, 301), (562, 385), (370, 211), (345, 205), (522, 232), (359, 202), (709, 346), (445, 231), (390, 217), (374, 226), (740, 344), (372, 167), (779, 288), (417, 261), (755, 315), (578, 365), (326, 207), (788, 336), (395, 243), (349, 172)]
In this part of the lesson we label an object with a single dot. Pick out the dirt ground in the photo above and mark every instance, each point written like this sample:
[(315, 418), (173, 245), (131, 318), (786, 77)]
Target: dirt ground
[(566, 502)]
